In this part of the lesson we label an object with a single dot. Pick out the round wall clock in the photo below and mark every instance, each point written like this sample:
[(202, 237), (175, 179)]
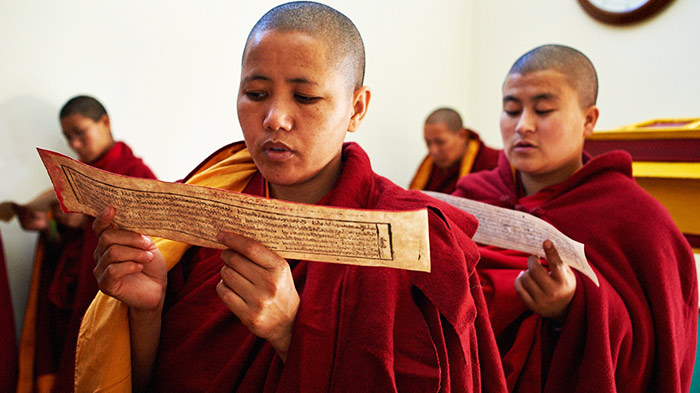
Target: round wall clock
[(621, 12)]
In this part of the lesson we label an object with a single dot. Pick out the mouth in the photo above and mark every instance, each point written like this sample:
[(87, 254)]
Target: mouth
[(523, 145), (276, 150)]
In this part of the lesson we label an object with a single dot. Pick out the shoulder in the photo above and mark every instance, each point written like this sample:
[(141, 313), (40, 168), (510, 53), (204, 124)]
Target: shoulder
[(124, 162)]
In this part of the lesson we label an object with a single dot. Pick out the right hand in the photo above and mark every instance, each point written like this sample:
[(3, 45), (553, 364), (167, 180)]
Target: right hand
[(129, 266), (31, 219)]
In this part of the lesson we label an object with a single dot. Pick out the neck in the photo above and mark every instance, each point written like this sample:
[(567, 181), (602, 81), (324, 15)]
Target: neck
[(534, 183)]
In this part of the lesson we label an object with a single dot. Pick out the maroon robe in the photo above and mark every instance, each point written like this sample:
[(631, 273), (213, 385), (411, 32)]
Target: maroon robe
[(637, 331), (67, 285), (445, 180), (8, 337), (358, 329)]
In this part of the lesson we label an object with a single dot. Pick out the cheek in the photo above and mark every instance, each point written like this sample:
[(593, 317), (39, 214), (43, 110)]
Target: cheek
[(507, 127)]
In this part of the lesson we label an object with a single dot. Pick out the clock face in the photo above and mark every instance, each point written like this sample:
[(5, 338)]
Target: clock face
[(620, 12), (618, 6)]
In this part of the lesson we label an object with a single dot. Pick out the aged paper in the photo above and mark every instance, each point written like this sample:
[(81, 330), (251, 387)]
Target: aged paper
[(515, 230), (195, 215)]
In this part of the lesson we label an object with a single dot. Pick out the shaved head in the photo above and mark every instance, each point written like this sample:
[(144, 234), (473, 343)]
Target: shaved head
[(324, 23), (83, 105), (574, 65), (448, 116)]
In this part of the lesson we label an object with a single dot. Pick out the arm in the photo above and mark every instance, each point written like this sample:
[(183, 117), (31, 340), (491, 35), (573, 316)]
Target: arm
[(547, 293), (257, 285), (33, 216), (129, 267)]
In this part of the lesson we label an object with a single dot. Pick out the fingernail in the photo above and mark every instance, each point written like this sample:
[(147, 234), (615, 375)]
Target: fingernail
[(220, 236), (149, 255), (548, 243)]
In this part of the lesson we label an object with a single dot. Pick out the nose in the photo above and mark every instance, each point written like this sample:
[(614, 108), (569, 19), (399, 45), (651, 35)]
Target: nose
[(526, 123), (278, 116), (433, 149), (75, 142)]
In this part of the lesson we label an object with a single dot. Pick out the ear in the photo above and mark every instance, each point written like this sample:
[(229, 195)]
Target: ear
[(360, 103), (463, 133), (104, 119), (590, 118)]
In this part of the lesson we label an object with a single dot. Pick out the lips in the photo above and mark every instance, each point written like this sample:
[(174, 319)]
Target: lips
[(276, 150), (523, 144)]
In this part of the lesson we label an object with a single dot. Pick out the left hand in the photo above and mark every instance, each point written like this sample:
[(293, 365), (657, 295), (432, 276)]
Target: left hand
[(547, 293), (71, 220), (257, 285)]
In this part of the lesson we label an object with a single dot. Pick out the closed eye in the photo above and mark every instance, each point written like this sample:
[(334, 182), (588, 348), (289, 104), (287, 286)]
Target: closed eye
[(255, 95), (304, 99)]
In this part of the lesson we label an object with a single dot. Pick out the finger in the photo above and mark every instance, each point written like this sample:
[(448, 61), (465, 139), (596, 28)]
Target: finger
[(112, 237), (530, 284), (109, 277), (116, 254), (558, 268), (242, 264), (234, 280), (103, 221), (522, 292), (252, 249), (536, 271), (231, 299)]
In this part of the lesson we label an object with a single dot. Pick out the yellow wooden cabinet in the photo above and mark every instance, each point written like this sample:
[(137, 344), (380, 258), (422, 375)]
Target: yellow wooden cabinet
[(666, 155)]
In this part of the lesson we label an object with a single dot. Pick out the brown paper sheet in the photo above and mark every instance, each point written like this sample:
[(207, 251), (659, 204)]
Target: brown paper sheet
[(520, 231), (195, 215)]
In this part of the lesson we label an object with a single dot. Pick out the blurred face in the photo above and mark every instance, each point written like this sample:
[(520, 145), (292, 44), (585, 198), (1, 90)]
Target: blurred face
[(294, 108), (89, 139), (543, 126), (445, 146)]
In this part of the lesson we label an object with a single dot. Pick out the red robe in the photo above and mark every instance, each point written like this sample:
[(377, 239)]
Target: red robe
[(432, 178), (65, 285), (637, 331), (8, 339), (358, 329)]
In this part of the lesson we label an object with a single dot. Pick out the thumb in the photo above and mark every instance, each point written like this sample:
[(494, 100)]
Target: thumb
[(557, 267)]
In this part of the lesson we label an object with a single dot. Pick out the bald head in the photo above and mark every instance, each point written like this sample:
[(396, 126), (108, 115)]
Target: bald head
[(324, 23), (574, 65), (83, 105), (447, 116)]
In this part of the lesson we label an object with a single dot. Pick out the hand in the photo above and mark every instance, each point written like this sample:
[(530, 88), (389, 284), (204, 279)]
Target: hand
[(71, 220), (31, 219), (257, 285), (547, 294), (129, 266)]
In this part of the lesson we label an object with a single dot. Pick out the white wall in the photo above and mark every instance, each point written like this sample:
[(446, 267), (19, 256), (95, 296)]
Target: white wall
[(168, 71), (646, 71)]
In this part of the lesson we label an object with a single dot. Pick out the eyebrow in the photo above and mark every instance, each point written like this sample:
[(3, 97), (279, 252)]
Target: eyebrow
[(298, 80), (538, 97)]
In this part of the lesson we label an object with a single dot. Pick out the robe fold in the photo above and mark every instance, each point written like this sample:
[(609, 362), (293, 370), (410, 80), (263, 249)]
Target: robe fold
[(62, 287), (8, 338), (637, 331), (357, 328), (477, 157)]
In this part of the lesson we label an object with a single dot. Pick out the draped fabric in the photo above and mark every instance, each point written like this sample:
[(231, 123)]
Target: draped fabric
[(477, 157), (357, 328), (637, 331), (8, 338)]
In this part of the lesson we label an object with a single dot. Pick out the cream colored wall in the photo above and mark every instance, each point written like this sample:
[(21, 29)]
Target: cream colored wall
[(646, 71), (168, 73)]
